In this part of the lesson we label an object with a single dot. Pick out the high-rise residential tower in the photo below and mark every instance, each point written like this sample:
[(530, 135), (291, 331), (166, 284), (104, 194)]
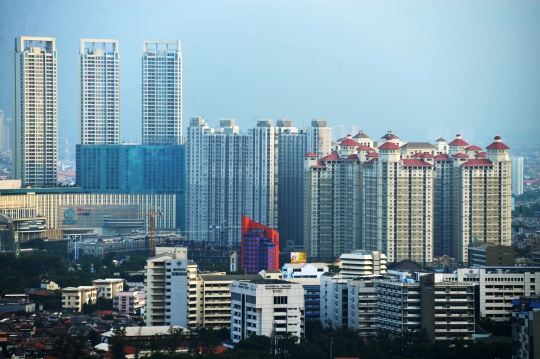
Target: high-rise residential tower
[(161, 93), (35, 111), (99, 92), (332, 202), (517, 175)]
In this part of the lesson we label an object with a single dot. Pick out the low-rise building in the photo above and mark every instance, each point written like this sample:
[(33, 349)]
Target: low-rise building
[(363, 263), (444, 309), (12, 303), (304, 270), (266, 306), (129, 302), (49, 285), (485, 254), (526, 329), (107, 288), (75, 297), (348, 303), (497, 287)]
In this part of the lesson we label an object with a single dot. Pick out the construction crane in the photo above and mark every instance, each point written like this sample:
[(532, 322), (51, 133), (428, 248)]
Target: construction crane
[(152, 215)]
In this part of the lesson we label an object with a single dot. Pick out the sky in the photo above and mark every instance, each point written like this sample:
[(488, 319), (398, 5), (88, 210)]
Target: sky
[(422, 69)]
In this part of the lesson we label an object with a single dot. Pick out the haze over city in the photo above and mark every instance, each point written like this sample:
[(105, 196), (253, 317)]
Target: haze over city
[(422, 69)]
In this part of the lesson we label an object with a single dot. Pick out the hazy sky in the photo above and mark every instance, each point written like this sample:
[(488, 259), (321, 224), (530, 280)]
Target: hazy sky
[(420, 68)]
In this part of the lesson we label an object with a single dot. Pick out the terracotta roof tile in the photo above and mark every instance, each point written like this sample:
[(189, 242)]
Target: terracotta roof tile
[(408, 162), (477, 162)]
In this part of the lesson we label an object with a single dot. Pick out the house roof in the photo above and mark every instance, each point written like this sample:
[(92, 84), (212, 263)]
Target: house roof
[(442, 157), (460, 155), (365, 148), (477, 162), (497, 145), (390, 134), (372, 154), (361, 135), (409, 162), (349, 142), (331, 157), (473, 148), (389, 146), (310, 154), (480, 154), (458, 141), (353, 157), (418, 145)]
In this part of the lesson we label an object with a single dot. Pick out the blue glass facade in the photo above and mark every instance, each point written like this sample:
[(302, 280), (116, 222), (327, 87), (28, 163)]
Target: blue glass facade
[(134, 169), (312, 302)]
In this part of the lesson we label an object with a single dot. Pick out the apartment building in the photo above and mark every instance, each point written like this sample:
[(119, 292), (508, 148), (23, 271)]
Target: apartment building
[(75, 297), (162, 93), (517, 175), (482, 198), (526, 329), (210, 295), (348, 303), (169, 275), (397, 203), (444, 309), (107, 288), (129, 302), (363, 263), (35, 105), (233, 174), (266, 306), (99, 122), (497, 287), (332, 202)]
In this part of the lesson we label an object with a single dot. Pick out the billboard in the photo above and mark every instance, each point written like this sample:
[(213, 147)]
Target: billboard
[(298, 257)]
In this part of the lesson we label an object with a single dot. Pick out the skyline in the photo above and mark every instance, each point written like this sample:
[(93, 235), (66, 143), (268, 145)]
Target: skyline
[(415, 68)]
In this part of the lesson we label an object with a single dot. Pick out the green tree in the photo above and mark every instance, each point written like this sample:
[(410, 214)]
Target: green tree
[(117, 343)]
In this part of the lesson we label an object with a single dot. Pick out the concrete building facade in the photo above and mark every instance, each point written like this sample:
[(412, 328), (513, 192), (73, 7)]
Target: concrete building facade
[(75, 297), (162, 93), (99, 122), (266, 306), (35, 117)]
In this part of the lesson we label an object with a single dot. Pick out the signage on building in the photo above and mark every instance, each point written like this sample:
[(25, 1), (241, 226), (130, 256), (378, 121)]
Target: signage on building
[(69, 217), (471, 273), (298, 257)]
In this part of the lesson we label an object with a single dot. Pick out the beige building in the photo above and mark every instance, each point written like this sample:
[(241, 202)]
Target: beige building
[(107, 288), (398, 204), (332, 202), (75, 297), (363, 263), (170, 284)]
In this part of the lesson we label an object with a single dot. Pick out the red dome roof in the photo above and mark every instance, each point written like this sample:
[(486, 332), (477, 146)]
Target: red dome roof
[(389, 146), (349, 142)]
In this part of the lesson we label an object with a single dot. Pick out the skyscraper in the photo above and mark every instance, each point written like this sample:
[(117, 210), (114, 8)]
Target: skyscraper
[(517, 175), (99, 92), (161, 93), (332, 200), (35, 111)]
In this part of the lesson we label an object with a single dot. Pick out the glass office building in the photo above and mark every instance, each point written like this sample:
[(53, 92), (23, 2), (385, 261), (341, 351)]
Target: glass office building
[(134, 169)]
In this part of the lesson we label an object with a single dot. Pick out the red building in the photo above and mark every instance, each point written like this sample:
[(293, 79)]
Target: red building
[(260, 247)]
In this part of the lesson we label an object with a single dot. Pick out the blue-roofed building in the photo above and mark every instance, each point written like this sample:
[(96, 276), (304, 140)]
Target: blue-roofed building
[(134, 169)]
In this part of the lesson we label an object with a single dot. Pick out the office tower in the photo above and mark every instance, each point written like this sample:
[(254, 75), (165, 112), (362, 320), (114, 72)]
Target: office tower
[(260, 247), (135, 169), (161, 93), (219, 182), (35, 111), (332, 202), (482, 198), (517, 175), (398, 204), (168, 278), (99, 120)]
